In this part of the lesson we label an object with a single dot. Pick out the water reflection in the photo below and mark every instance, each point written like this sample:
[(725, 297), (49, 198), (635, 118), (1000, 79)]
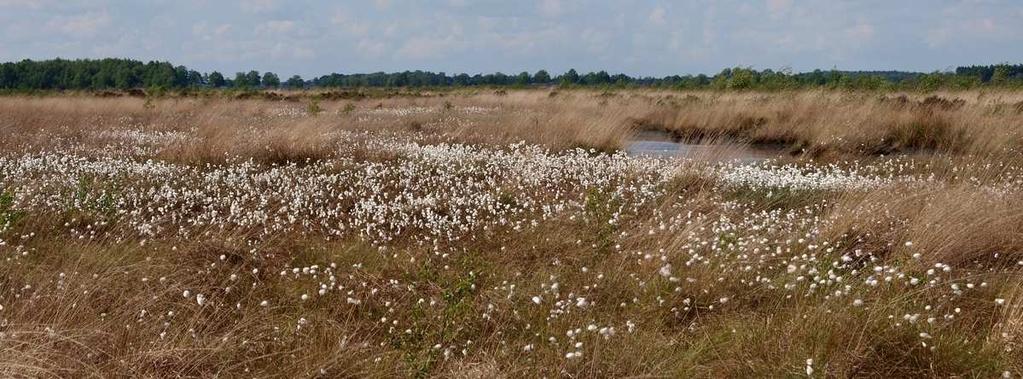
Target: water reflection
[(662, 144)]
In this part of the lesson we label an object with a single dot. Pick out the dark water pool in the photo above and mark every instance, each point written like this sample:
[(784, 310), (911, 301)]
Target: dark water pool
[(662, 144)]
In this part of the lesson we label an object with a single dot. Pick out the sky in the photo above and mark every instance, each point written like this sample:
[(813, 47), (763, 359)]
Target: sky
[(636, 37)]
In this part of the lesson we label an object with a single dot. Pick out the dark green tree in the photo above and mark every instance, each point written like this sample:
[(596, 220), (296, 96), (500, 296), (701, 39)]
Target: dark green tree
[(194, 79), (1000, 75), (295, 82), (124, 79), (253, 78), (180, 77), (597, 78), (523, 78), (742, 78), (270, 80), (102, 74), (216, 80), (570, 77), (462, 80), (240, 80), (541, 77)]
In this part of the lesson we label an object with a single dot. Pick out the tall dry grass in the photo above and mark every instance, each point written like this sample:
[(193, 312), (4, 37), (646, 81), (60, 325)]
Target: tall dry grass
[(826, 122), (818, 123), (115, 306)]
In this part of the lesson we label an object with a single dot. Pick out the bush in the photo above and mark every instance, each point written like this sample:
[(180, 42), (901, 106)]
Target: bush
[(314, 107), (8, 215)]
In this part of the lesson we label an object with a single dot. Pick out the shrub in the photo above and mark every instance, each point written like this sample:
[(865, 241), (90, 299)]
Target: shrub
[(314, 107), (8, 215)]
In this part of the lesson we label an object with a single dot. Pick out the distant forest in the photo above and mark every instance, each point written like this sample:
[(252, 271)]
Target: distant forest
[(123, 74)]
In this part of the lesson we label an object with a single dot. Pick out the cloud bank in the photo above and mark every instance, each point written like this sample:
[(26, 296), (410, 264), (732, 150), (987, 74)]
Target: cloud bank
[(636, 37)]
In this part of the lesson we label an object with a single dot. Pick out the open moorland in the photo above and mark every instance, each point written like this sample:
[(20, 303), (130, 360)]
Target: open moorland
[(509, 233)]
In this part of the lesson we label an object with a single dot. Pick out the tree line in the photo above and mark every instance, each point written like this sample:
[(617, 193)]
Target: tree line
[(122, 74), (1000, 73)]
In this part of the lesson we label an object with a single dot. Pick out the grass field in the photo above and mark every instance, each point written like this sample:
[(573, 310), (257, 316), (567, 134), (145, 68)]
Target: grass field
[(504, 234)]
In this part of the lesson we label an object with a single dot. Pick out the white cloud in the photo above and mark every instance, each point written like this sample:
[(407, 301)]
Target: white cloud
[(34, 4), (277, 26), (290, 51), (204, 31), (595, 40), (428, 48), (371, 48), (657, 16), (83, 25), (258, 6), (861, 32), (639, 37), (550, 8), (984, 25), (937, 37), (964, 31), (349, 24), (778, 6)]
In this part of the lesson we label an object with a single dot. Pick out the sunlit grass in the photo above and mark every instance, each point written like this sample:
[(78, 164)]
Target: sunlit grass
[(259, 239)]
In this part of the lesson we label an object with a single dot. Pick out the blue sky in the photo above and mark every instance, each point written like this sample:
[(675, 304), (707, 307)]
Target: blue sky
[(638, 37)]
